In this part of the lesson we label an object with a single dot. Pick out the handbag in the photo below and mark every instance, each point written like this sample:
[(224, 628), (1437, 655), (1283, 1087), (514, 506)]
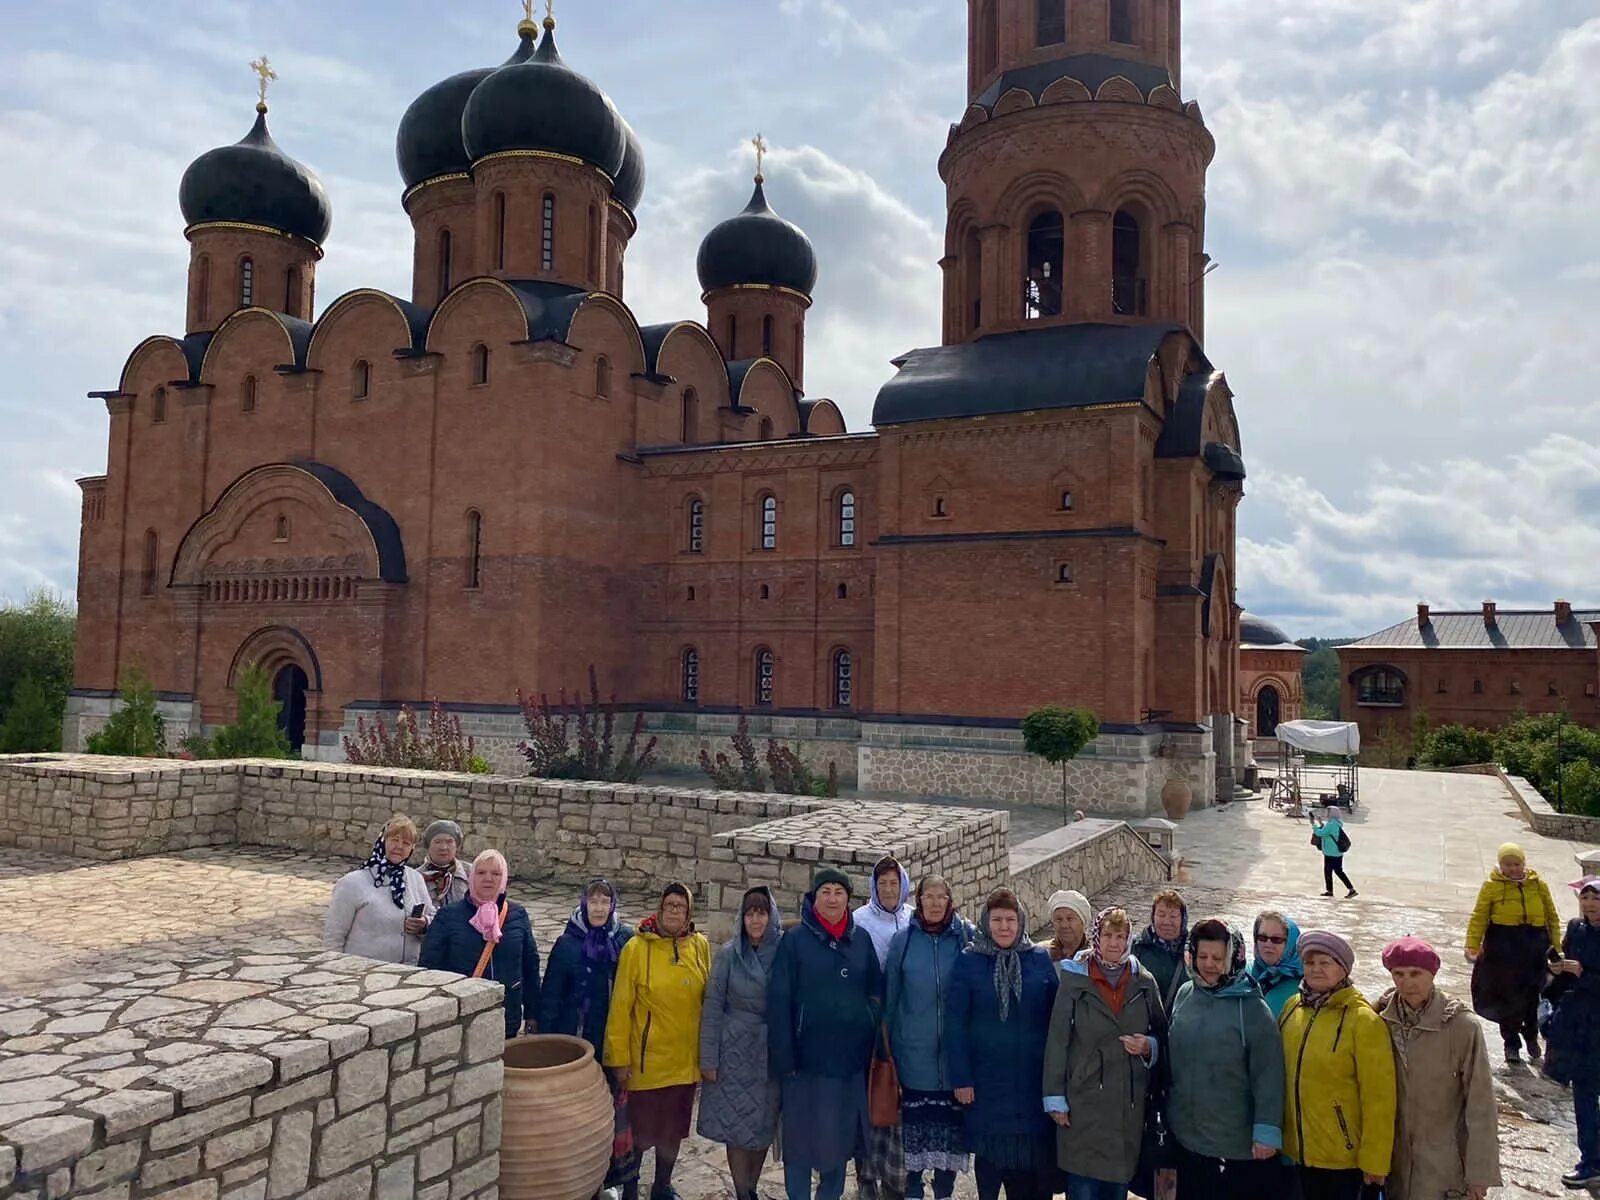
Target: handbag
[(883, 1087)]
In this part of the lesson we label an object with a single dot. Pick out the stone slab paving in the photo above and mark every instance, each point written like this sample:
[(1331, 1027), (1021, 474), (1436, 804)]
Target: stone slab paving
[(1422, 843)]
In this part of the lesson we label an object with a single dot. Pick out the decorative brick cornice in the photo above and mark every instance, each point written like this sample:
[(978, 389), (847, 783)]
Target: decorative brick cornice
[(763, 456)]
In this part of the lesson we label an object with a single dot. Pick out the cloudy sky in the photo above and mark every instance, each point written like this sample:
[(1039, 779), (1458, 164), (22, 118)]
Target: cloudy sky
[(1401, 205)]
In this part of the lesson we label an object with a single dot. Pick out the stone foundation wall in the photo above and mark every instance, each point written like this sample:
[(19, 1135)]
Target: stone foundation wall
[(86, 715), (255, 1078), (1542, 815), (1087, 856)]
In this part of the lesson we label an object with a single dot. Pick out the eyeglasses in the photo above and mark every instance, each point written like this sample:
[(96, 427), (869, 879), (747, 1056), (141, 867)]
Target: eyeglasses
[(1270, 940)]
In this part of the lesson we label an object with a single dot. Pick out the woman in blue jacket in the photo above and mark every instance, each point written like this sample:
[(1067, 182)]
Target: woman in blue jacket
[(583, 965), (1574, 1033), (917, 976), (487, 920), (997, 1022)]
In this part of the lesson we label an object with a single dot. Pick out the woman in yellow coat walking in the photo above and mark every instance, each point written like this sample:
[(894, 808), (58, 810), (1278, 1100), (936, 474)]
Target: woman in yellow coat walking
[(1511, 932), (1339, 1098), (653, 1030)]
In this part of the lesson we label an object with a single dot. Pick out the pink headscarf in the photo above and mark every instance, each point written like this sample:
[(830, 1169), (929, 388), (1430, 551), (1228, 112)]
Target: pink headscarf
[(487, 921)]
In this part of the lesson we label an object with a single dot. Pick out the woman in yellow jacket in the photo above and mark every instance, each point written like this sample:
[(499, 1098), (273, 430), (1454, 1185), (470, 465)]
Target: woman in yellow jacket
[(1339, 1098), (653, 1031), (1509, 938)]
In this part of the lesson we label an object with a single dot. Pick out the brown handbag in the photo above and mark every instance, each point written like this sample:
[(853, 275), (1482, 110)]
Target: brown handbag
[(883, 1088)]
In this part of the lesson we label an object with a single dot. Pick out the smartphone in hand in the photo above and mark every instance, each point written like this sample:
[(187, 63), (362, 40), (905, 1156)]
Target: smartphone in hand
[(416, 911)]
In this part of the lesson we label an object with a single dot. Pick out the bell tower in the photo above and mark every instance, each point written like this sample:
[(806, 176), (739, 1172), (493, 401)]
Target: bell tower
[(1075, 179)]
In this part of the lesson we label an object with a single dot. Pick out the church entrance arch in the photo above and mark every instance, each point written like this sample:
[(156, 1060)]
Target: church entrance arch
[(289, 689), (1268, 708)]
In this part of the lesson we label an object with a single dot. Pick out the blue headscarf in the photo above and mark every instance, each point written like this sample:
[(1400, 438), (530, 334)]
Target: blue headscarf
[(1288, 967), (599, 945)]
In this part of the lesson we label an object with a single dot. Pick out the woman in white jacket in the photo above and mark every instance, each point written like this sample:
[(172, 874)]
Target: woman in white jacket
[(382, 910)]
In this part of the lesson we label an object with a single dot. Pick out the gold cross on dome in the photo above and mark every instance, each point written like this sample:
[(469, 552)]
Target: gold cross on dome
[(265, 75), (760, 143), (527, 10)]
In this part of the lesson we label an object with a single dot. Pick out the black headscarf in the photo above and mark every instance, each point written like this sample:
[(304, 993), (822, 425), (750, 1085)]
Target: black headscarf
[(383, 871)]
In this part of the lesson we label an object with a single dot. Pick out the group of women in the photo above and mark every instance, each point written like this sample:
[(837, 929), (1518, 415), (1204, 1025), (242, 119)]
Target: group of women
[(1175, 1060)]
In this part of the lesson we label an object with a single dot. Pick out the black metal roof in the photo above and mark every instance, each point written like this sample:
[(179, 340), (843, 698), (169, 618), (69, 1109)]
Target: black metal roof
[(1256, 633), (1064, 366), (548, 307), (1526, 629), (254, 182), (628, 187), (428, 143), (757, 247), (1180, 433), (1091, 70), (385, 533)]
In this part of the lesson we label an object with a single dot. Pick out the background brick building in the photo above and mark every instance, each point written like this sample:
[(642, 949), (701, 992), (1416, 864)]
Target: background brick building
[(503, 478), (1481, 668), (1271, 687)]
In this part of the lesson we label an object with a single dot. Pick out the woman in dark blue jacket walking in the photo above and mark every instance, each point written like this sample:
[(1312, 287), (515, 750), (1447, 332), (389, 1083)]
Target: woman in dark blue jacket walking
[(1574, 1035), (823, 1006), (486, 918), (998, 1019)]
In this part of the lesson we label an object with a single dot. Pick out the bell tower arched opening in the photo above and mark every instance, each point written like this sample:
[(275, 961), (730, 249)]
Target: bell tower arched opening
[(289, 689)]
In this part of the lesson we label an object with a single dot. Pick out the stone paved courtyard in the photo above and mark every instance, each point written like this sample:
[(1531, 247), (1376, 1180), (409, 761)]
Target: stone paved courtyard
[(1421, 845)]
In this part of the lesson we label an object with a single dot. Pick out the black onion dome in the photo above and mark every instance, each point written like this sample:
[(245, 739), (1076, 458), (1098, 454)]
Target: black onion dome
[(429, 143), (757, 247), (256, 183), (543, 104), (1253, 631), (629, 186)]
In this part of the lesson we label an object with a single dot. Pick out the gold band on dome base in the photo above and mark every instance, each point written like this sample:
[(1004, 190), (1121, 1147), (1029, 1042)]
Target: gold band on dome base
[(757, 287), (405, 197), (248, 227), (550, 154)]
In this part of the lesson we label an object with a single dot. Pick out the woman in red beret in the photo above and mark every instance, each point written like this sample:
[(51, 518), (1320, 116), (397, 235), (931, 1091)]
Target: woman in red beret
[(1447, 1135)]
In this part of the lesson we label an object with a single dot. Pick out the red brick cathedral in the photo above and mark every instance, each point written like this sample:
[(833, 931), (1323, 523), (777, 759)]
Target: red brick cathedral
[(503, 477)]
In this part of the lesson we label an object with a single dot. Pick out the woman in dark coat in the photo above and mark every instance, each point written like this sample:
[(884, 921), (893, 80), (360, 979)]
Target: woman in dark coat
[(576, 997), (486, 918), (1001, 996), (823, 1008), (739, 1099), (1574, 1032)]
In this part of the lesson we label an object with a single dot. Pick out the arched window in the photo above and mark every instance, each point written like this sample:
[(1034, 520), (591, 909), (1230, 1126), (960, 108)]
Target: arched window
[(940, 508), (247, 282), (474, 572), (360, 379), (733, 334), (594, 246), (280, 528), (1122, 22), (247, 394), (602, 376), (1046, 254), (691, 676), (547, 238), (158, 406), (1066, 499), (202, 307), (766, 335), (769, 522), (766, 592), (1128, 285), (291, 292), (147, 569), (480, 364), (697, 525), (499, 230), (766, 670), (844, 680), (444, 263), (764, 430), (988, 37), (1049, 22), (972, 269), (691, 416), (844, 591), (1064, 573), (1382, 686), (847, 518)]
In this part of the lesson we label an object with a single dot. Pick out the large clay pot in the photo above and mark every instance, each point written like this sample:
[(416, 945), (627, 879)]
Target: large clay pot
[(1176, 797), (557, 1120)]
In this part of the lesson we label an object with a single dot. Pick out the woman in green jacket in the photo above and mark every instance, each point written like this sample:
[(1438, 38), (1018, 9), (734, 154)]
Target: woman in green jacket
[(1226, 1062)]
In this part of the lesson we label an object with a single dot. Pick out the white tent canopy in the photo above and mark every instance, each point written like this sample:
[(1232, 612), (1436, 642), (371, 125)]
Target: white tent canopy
[(1321, 737)]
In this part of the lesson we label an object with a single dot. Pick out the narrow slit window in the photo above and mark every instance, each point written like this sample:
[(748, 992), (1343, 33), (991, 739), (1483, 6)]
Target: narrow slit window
[(733, 336), (1066, 500), (602, 377), (480, 365), (843, 679), (1129, 288), (444, 263), (847, 518), (940, 508), (1064, 573), (1046, 256), (474, 573), (691, 417), (291, 292), (697, 526), (1122, 30), (844, 591), (1050, 22), (766, 671), (766, 335), (247, 283), (691, 676), (280, 529), (203, 301), (769, 522), (594, 245), (147, 572), (499, 230), (360, 379), (158, 406), (547, 251)]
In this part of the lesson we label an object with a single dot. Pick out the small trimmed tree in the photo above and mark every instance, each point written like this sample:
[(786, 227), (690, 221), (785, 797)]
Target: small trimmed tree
[(1058, 735), (135, 730), (255, 732)]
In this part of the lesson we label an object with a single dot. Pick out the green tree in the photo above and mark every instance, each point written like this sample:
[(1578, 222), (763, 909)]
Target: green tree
[(1320, 678), (1058, 735), (36, 640), (34, 719), (1458, 746), (135, 730), (255, 732)]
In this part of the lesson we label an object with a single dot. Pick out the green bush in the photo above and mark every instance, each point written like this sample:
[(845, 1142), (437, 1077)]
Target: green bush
[(36, 641), (33, 721), (1457, 746), (135, 730), (255, 732)]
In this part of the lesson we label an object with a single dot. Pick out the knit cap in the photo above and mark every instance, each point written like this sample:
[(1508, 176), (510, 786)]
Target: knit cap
[(1409, 952), (441, 826), (1331, 944), (827, 875), (1077, 902), (1512, 851)]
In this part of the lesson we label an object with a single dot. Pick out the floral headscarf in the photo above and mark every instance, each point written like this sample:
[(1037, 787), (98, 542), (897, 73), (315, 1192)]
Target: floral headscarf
[(1235, 963), (385, 872), (1094, 941)]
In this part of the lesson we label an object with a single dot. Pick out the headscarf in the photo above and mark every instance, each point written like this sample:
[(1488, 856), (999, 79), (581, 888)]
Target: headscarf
[(758, 959), (599, 945), (1512, 851), (1269, 976), (1094, 942), (1174, 946), (652, 923), (1235, 963), (385, 872), (1007, 962), (928, 927)]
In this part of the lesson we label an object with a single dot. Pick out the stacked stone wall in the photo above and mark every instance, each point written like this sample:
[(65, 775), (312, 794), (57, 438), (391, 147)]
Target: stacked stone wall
[(1086, 856), (260, 1077)]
